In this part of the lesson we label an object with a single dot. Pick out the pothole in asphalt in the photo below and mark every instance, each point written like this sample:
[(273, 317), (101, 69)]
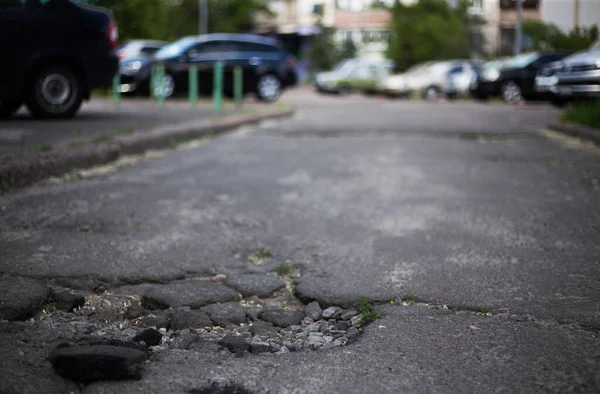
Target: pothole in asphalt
[(246, 313)]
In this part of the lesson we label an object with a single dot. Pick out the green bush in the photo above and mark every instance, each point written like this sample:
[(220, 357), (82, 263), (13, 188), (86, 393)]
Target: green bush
[(587, 114)]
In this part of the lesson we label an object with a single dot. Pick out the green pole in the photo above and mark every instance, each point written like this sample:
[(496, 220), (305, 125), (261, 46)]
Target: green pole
[(153, 81), (117, 89), (193, 88), (161, 86), (238, 86), (218, 87)]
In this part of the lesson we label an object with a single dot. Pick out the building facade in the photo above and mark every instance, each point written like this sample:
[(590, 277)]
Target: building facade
[(500, 17), (358, 20)]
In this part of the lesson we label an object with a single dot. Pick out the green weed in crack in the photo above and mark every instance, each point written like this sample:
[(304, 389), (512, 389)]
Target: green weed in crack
[(409, 298), (262, 253), (368, 314), (285, 268)]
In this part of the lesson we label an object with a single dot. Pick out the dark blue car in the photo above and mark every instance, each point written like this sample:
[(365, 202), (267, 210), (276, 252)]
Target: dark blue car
[(54, 53), (134, 58), (267, 69)]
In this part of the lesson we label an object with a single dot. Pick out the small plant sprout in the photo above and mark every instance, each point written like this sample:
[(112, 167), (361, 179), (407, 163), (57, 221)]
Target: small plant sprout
[(260, 256), (285, 268), (409, 298), (368, 314)]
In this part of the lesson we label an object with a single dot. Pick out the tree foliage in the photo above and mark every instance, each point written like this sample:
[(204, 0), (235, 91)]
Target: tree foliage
[(550, 36), (428, 30), (323, 53), (173, 19), (348, 50)]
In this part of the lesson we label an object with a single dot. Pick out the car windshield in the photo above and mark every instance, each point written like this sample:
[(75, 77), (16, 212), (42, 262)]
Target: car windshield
[(522, 60), (176, 48), (595, 46), (344, 66)]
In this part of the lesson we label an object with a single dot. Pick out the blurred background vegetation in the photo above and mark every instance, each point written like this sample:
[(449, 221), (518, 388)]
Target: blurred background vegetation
[(172, 19), (422, 31)]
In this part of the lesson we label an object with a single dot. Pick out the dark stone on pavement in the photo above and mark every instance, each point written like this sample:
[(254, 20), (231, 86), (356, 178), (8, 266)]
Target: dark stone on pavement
[(332, 312), (261, 347), (149, 336), (282, 318), (225, 314), (181, 318), (193, 293), (235, 344), (12, 327), (261, 328), (314, 311), (133, 311), (352, 334), (254, 312), (349, 314), (262, 285), (66, 301), (21, 298), (156, 321), (88, 364)]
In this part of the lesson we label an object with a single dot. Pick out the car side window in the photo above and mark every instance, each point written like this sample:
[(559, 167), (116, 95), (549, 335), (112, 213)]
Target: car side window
[(149, 51), (256, 47), (457, 70)]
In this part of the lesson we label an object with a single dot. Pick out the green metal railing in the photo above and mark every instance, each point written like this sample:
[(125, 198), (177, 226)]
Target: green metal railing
[(157, 87)]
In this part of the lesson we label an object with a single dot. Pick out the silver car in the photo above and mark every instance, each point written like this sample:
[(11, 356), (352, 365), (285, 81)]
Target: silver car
[(576, 76)]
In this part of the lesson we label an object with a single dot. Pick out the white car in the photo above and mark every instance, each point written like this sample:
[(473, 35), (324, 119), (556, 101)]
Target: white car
[(435, 79)]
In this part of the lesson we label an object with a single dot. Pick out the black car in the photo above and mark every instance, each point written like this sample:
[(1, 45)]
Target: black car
[(514, 78), (134, 56), (267, 69), (55, 53)]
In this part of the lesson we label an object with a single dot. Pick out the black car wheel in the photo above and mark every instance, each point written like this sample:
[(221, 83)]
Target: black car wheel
[(343, 90), (432, 93), (511, 92), (166, 86), (9, 107), (268, 88), (54, 92)]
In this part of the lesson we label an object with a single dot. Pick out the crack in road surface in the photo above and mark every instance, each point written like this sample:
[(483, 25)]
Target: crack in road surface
[(501, 237)]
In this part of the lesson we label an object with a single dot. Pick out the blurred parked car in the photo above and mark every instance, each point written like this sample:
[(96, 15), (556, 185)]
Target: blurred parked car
[(575, 77), (459, 77), (267, 69), (442, 77), (397, 85), (486, 72), (56, 53), (515, 80), (353, 75), (134, 56)]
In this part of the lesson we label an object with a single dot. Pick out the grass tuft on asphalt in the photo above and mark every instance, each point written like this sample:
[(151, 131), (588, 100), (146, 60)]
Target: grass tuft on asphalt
[(585, 114)]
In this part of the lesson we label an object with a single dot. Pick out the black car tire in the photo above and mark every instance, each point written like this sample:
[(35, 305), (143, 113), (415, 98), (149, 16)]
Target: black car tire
[(171, 87), (54, 92), (268, 88), (511, 92), (343, 90), (432, 93), (9, 107)]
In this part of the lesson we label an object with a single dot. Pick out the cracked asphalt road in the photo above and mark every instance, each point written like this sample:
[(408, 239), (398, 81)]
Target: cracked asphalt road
[(465, 204)]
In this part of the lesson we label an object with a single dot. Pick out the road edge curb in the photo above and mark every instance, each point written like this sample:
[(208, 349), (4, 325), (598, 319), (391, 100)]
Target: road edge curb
[(23, 172), (575, 130)]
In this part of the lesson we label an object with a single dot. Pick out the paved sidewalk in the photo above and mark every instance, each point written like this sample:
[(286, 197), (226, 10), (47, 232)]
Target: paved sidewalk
[(101, 117)]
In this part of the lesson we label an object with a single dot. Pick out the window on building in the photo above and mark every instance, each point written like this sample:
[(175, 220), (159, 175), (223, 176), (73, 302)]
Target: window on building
[(318, 9), (512, 4)]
